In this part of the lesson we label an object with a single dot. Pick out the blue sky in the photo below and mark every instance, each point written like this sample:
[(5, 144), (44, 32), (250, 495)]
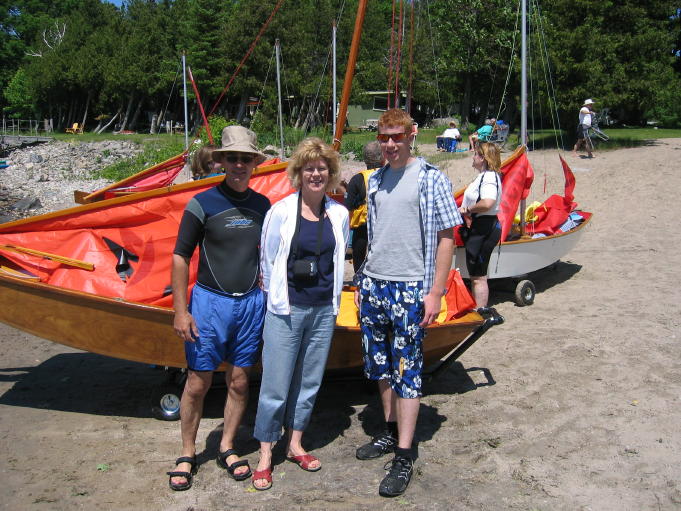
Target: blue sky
[(115, 2)]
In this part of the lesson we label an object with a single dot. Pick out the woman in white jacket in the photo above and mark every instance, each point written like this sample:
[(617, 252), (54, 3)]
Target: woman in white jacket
[(302, 261)]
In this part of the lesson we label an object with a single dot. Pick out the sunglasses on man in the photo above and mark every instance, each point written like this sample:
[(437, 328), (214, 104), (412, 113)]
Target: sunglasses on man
[(236, 158), (396, 137)]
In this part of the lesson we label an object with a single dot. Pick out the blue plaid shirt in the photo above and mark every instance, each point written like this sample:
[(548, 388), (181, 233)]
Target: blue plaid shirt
[(437, 206)]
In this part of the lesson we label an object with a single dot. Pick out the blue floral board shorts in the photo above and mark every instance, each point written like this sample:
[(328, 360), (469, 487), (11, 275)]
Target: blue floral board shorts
[(393, 307)]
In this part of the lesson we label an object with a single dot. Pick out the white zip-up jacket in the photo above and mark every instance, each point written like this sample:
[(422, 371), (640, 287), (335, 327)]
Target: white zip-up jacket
[(275, 244)]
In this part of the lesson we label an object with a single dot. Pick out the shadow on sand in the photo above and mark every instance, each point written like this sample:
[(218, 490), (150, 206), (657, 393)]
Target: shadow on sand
[(502, 290)]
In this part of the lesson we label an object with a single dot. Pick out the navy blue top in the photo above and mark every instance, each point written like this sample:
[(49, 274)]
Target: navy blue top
[(318, 290)]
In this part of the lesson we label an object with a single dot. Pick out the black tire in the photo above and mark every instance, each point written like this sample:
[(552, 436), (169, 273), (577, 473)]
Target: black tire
[(165, 402), (524, 293)]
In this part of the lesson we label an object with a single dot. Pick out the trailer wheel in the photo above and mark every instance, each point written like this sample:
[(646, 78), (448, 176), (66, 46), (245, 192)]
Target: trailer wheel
[(165, 402), (524, 293)]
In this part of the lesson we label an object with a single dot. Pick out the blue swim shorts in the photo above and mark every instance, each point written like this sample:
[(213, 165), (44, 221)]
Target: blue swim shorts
[(393, 308), (230, 329)]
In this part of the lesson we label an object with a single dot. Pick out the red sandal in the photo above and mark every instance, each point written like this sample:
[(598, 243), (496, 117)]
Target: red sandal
[(304, 460), (263, 474)]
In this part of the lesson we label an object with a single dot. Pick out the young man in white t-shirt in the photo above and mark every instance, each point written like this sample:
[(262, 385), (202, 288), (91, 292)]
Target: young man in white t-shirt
[(585, 119)]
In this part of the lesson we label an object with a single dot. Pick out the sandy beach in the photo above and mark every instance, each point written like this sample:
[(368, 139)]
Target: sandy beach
[(573, 404)]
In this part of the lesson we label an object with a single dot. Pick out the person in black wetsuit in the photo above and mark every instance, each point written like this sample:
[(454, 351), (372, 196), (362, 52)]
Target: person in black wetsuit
[(225, 318)]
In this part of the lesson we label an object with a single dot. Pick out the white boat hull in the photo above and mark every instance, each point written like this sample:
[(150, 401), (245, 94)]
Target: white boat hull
[(517, 258)]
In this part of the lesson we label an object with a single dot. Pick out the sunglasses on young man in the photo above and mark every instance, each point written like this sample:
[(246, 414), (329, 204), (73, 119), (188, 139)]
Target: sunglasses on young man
[(396, 137), (236, 158)]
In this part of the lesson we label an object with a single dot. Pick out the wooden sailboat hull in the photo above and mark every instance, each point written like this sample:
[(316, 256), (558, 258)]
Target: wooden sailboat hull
[(520, 257), (144, 333)]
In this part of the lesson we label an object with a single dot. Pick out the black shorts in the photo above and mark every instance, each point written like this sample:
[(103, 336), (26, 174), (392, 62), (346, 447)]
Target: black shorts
[(581, 131), (484, 234)]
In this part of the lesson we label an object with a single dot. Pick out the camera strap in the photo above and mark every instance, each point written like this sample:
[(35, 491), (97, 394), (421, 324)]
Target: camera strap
[(320, 227)]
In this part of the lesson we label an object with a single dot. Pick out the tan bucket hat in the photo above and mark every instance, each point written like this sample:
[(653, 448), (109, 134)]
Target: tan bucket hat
[(237, 139)]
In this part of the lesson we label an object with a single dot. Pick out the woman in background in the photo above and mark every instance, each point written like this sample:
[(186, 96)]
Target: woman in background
[(479, 208)]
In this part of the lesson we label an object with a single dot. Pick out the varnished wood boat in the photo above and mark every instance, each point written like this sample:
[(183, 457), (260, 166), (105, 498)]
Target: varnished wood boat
[(144, 333)]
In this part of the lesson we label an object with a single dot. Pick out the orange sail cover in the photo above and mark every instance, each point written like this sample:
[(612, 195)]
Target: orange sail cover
[(129, 240)]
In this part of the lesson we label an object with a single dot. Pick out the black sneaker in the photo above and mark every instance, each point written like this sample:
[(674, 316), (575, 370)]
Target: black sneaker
[(379, 445), (397, 479)]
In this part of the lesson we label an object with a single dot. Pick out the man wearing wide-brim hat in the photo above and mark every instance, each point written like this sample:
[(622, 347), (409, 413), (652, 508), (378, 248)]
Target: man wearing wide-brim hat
[(585, 119), (223, 323)]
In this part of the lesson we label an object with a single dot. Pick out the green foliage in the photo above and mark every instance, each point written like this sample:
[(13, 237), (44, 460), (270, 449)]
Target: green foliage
[(112, 57), (19, 96), (216, 123), (155, 151)]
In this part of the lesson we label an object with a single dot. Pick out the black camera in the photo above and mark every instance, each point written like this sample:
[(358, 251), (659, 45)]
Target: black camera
[(304, 269)]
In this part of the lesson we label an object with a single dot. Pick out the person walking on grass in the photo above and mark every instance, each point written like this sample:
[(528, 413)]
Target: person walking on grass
[(400, 286), (224, 321)]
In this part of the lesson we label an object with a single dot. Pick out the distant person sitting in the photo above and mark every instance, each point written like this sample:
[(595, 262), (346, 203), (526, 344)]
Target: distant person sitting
[(482, 133), (451, 133), (355, 201), (203, 165)]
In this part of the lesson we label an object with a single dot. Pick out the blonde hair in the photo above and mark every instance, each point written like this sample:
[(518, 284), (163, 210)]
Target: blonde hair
[(491, 154), (308, 150), (200, 161), (396, 118)]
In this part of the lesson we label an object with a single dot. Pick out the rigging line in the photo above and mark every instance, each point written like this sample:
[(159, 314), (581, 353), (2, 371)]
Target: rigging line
[(510, 63), (390, 54), (245, 57), (432, 44), (262, 91), (165, 110), (410, 83), (313, 105), (399, 56), (529, 74), (552, 92)]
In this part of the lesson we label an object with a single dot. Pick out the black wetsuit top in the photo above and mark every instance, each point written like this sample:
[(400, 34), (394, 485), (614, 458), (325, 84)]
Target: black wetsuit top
[(227, 225)]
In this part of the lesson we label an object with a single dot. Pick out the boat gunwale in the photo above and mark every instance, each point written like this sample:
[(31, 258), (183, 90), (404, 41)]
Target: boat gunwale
[(7, 228), (143, 307)]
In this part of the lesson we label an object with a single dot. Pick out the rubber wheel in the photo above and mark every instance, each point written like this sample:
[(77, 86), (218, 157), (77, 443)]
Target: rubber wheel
[(524, 293), (165, 402)]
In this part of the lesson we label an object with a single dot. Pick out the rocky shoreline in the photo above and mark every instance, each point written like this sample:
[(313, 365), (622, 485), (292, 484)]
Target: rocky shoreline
[(42, 178)]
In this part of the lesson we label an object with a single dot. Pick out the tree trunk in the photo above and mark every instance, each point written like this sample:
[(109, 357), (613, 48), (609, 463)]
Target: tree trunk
[(136, 115), (466, 102), (110, 121), (87, 107), (241, 113), (300, 113), (127, 113)]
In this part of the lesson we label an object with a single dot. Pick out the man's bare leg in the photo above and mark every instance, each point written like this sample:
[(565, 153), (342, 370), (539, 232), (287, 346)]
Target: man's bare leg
[(235, 406), (191, 410)]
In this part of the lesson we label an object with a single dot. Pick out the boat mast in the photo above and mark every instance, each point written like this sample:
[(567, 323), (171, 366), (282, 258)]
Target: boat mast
[(349, 74), (277, 48), (333, 72), (184, 84), (523, 97)]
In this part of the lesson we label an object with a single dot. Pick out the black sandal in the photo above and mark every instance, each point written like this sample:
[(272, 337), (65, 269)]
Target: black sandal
[(222, 462), (187, 475)]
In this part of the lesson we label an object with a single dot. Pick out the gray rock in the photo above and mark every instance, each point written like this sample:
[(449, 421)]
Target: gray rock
[(35, 158), (27, 203)]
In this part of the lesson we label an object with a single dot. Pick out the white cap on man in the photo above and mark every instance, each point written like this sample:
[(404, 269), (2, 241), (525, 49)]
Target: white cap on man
[(588, 102)]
